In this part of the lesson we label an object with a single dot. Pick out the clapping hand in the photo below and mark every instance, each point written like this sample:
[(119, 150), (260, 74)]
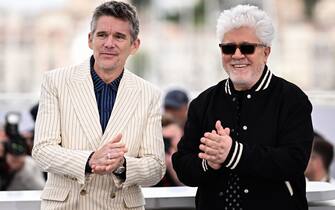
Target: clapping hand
[(109, 157), (215, 146)]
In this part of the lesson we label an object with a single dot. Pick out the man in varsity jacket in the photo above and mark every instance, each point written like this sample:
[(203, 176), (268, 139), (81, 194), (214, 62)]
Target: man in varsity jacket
[(247, 140)]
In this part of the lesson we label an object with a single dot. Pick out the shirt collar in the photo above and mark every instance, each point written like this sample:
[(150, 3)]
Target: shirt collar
[(99, 83), (262, 83)]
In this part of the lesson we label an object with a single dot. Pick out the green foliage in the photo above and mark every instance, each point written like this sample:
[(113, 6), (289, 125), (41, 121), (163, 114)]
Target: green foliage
[(173, 17), (139, 63), (199, 13), (141, 3), (309, 8)]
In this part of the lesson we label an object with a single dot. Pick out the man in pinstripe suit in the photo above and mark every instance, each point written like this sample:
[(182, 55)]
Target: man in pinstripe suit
[(98, 129)]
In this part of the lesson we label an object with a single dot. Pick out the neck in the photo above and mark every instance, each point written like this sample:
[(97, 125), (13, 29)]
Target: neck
[(108, 76), (242, 87)]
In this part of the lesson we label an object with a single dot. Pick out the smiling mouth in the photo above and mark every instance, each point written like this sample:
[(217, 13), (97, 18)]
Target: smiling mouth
[(239, 65)]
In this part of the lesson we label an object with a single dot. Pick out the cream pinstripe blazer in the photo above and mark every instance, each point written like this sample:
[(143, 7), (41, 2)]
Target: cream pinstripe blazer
[(68, 130)]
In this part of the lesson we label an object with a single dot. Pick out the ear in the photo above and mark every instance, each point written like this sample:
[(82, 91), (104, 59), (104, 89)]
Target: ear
[(135, 45), (90, 40), (267, 52)]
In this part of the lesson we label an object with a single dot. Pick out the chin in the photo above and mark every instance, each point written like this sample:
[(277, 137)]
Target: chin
[(239, 81), (108, 66), (238, 78)]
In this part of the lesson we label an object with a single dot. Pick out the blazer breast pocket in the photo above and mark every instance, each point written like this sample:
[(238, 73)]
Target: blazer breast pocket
[(55, 194), (133, 197)]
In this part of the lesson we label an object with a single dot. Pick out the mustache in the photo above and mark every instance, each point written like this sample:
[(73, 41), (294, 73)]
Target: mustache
[(239, 62)]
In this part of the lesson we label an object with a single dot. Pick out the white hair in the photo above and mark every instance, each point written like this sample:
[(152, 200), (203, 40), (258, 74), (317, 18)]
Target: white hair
[(249, 16)]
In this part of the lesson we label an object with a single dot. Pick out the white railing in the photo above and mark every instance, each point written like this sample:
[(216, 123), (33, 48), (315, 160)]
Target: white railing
[(320, 195)]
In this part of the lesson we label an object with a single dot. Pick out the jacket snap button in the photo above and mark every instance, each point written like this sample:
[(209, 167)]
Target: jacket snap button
[(83, 192)]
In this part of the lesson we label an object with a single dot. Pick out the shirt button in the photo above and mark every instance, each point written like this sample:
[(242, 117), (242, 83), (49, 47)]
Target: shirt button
[(248, 96), (234, 99), (112, 195), (220, 194), (83, 192), (246, 191), (245, 127)]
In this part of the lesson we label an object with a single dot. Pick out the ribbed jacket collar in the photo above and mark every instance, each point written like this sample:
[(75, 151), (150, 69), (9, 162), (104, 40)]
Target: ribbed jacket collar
[(262, 84)]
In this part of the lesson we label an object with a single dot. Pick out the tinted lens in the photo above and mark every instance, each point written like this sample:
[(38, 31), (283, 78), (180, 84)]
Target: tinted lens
[(247, 49), (228, 49)]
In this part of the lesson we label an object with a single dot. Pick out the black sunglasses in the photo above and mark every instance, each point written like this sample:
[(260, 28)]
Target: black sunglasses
[(245, 48)]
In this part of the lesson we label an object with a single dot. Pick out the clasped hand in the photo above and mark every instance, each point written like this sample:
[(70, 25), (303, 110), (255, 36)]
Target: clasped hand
[(215, 146), (108, 158)]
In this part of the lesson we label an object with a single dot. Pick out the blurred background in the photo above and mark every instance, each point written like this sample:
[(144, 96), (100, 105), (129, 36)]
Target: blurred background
[(179, 48)]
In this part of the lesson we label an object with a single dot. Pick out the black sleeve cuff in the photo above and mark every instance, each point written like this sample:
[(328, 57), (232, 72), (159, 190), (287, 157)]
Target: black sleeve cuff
[(88, 169), (234, 155)]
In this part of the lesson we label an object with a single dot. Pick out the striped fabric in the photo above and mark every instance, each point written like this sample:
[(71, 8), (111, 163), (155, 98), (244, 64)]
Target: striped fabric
[(105, 95), (262, 84), (68, 130)]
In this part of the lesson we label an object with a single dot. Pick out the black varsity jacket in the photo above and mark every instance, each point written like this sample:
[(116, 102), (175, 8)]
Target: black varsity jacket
[(272, 134)]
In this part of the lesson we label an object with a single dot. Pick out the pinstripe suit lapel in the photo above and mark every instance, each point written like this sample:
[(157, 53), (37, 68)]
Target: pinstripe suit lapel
[(124, 107), (83, 100)]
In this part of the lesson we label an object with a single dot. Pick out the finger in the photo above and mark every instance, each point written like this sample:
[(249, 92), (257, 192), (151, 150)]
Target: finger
[(213, 136), (227, 130), (112, 145), (105, 162), (113, 155), (209, 158), (207, 150), (117, 138), (221, 131), (202, 155), (116, 161), (98, 169), (205, 156), (202, 148), (209, 142)]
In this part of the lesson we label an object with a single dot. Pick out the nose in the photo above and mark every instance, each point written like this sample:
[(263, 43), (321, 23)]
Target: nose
[(109, 42), (238, 54)]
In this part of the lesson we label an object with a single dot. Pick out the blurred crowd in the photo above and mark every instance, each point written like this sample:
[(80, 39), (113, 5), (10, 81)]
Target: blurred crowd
[(173, 120), (18, 171)]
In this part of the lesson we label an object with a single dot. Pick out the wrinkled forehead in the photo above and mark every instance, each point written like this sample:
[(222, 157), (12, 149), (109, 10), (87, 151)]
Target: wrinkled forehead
[(109, 23)]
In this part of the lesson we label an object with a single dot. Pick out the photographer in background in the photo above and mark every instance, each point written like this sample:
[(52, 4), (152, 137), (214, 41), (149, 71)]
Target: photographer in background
[(171, 134), (17, 170), (318, 168), (176, 106)]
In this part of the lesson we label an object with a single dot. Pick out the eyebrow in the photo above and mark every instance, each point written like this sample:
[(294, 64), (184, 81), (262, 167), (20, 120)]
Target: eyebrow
[(116, 33), (101, 32), (121, 34)]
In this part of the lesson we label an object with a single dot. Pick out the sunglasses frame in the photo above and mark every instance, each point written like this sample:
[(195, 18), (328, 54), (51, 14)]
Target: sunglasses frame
[(241, 47)]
